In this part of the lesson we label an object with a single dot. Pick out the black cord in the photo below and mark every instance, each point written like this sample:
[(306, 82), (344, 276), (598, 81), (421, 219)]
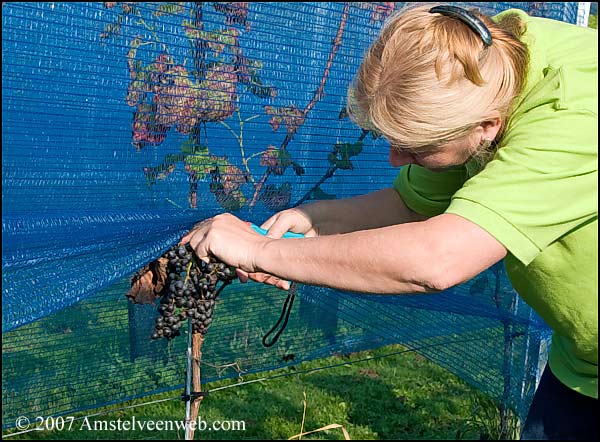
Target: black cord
[(285, 315)]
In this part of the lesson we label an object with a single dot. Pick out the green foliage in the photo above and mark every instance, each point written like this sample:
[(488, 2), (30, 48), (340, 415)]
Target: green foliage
[(319, 194), (202, 163), (486, 420), (191, 147), (167, 95), (342, 154), (276, 197), (593, 21), (232, 201), (215, 40)]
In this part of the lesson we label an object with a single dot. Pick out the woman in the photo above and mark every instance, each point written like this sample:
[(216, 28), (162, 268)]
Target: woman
[(495, 121)]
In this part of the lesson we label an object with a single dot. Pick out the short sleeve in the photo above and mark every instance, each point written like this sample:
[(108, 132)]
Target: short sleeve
[(542, 183), (425, 192)]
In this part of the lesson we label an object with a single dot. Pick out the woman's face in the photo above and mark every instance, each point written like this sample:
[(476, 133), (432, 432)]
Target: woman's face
[(454, 153)]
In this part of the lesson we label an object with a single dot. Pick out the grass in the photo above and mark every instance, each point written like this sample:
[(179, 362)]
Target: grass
[(402, 396), (46, 367)]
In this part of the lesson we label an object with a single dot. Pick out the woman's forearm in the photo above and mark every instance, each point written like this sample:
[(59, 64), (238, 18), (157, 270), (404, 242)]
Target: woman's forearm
[(395, 259), (373, 210)]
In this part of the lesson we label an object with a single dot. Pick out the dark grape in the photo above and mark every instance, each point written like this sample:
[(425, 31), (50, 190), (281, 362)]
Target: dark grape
[(189, 292)]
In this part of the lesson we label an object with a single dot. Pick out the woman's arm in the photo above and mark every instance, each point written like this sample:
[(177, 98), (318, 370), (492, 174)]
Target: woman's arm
[(417, 257), (373, 210)]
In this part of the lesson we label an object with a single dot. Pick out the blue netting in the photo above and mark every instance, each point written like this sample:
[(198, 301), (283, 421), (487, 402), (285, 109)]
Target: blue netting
[(126, 123)]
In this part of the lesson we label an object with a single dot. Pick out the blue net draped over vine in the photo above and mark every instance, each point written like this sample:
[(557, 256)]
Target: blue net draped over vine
[(123, 124)]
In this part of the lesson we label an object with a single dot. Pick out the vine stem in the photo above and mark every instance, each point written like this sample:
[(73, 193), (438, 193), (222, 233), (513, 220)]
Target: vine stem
[(197, 340), (198, 56), (258, 187), (337, 41), (254, 155), (187, 271), (240, 140), (326, 176), (230, 130)]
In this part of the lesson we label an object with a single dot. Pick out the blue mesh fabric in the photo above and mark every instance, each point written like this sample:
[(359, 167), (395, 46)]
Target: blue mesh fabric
[(126, 123)]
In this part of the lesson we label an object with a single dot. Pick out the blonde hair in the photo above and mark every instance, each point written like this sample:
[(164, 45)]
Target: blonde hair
[(428, 79)]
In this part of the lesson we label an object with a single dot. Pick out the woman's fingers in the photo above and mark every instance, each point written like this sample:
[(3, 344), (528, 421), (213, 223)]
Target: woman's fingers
[(268, 223), (279, 226), (265, 278), (186, 238), (242, 276)]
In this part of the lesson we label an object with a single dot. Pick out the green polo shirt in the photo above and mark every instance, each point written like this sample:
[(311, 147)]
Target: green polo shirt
[(538, 195)]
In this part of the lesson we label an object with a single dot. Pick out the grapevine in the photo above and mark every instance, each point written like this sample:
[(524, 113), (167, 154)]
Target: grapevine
[(188, 289)]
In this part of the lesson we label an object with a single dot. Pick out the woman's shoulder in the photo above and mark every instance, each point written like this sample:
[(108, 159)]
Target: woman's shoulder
[(563, 66)]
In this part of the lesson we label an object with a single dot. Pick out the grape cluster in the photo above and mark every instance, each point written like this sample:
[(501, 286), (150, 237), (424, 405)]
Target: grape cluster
[(190, 292)]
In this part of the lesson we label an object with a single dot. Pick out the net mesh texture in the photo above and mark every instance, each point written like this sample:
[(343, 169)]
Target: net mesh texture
[(124, 124)]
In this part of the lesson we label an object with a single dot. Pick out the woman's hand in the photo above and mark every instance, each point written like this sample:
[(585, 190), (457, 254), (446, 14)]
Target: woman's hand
[(291, 220), (228, 239)]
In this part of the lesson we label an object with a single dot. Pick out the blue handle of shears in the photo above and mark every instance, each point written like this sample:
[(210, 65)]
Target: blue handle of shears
[(263, 232)]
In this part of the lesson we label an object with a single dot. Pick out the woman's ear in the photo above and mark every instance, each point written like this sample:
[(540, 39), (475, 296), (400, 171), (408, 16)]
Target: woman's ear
[(491, 127)]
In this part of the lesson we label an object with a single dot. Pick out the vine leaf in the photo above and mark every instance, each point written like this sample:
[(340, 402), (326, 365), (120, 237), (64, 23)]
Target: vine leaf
[(319, 194), (225, 185), (178, 99), (227, 40), (147, 79), (342, 153), (278, 160), (217, 93), (232, 202), (113, 29), (217, 41), (161, 171), (290, 116), (276, 197), (148, 282), (202, 163), (190, 147), (146, 128), (248, 75)]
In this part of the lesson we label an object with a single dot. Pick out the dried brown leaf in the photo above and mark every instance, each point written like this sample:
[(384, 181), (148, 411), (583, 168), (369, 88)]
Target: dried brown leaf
[(148, 282)]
